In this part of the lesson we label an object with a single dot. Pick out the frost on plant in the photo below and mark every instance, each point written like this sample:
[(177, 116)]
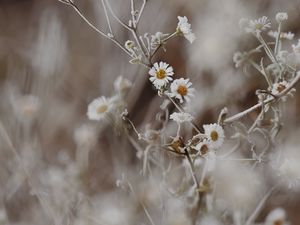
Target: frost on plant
[(140, 152)]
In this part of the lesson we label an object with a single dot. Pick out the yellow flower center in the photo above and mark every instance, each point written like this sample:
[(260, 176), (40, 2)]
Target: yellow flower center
[(102, 109), (280, 88), (214, 135), (182, 90), (258, 26), (160, 74)]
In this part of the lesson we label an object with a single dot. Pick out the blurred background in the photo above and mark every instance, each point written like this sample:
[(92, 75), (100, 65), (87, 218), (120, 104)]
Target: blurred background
[(52, 65)]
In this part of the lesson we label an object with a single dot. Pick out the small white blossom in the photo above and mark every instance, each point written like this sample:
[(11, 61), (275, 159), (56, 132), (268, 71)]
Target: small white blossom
[(184, 28), (276, 217), (296, 48), (129, 45), (215, 134), (161, 74), (181, 117), (281, 16), (181, 89), (122, 84), (279, 87), (255, 26), (283, 35), (203, 147), (99, 108)]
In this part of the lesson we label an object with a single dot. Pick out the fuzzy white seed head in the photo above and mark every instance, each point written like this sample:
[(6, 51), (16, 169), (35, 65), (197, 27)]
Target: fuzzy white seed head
[(281, 16), (184, 28), (122, 84)]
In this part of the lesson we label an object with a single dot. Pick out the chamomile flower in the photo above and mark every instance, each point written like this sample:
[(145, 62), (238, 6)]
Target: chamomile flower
[(161, 74), (215, 134), (276, 217), (99, 108), (281, 16), (279, 87), (181, 117), (184, 28), (203, 147), (256, 26), (181, 89)]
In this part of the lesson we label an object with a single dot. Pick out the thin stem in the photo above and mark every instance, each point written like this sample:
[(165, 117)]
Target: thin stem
[(255, 65), (267, 49), (98, 30), (268, 100), (192, 169), (204, 173), (141, 12), (277, 43), (144, 45), (107, 18), (162, 42), (133, 14), (259, 207), (116, 17), (134, 33), (142, 204)]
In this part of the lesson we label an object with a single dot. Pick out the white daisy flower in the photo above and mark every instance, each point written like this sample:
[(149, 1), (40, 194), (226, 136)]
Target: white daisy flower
[(184, 28), (161, 74), (215, 134), (181, 89), (276, 217), (281, 16), (279, 87), (181, 117), (99, 108), (255, 26), (296, 48), (203, 147), (283, 35)]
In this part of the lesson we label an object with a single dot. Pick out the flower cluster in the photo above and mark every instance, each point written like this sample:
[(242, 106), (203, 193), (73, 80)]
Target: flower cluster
[(160, 76)]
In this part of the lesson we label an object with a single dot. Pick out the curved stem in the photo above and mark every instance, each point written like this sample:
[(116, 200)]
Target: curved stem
[(268, 100), (98, 30)]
